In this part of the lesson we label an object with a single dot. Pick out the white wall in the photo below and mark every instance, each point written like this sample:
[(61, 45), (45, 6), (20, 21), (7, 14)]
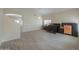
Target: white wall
[(31, 21), (10, 29), (71, 16), (30, 18)]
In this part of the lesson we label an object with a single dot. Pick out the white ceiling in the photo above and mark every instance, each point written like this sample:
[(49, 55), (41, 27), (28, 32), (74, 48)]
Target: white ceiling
[(45, 11), (42, 11)]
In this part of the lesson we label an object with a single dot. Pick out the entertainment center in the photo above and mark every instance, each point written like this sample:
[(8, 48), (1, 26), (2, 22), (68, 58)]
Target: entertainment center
[(64, 28)]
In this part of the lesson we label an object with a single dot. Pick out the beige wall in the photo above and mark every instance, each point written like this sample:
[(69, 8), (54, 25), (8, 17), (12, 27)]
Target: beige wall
[(71, 16), (10, 26), (65, 16), (31, 21), (9, 29), (1, 19), (30, 18)]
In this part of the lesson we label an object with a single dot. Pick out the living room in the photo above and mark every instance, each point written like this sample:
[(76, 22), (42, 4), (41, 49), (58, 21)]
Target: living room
[(32, 34)]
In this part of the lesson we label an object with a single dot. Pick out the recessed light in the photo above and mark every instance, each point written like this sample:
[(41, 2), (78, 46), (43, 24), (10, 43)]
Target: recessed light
[(39, 17)]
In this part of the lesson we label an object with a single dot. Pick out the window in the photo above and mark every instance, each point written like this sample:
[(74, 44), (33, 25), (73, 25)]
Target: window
[(47, 22)]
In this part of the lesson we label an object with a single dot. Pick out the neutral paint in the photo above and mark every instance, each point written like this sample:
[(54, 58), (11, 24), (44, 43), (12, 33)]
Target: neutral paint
[(10, 29), (69, 16), (1, 17), (30, 18), (46, 11)]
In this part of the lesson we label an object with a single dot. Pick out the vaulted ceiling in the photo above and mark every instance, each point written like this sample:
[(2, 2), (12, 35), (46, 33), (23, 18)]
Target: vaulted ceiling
[(45, 11), (41, 11)]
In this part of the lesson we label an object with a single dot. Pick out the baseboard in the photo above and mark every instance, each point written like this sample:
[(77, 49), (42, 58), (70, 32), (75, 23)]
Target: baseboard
[(32, 30), (9, 36)]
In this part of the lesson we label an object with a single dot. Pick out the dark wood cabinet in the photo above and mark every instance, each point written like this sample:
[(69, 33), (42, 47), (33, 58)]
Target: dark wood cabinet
[(56, 28), (61, 30)]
